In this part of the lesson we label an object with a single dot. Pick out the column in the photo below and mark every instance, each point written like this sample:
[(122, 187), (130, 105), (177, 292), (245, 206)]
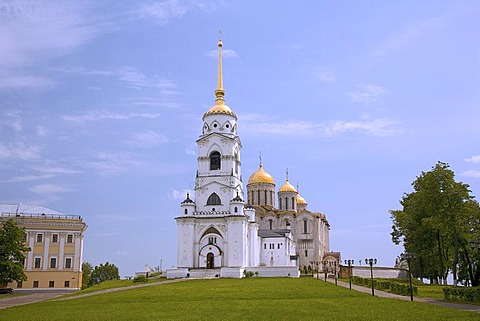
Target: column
[(45, 251), (31, 243), (62, 251), (76, 260)]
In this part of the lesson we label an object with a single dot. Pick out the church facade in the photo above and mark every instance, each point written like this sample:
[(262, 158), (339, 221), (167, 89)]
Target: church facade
[(226, 231)]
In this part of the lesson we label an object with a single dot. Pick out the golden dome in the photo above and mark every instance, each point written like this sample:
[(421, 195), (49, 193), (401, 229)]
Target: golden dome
[(219, 109), (301, 200), (261, 177), (287, 187)]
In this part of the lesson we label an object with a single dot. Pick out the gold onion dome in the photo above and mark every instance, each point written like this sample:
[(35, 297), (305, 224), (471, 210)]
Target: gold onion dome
[(287, 187), (261, 177), (220, 107), (301, 200)]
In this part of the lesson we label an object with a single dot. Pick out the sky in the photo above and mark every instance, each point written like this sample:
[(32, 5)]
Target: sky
[(101, 104)]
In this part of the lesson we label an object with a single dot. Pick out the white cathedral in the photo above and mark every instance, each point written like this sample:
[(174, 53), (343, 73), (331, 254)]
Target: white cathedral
[(225, 232)]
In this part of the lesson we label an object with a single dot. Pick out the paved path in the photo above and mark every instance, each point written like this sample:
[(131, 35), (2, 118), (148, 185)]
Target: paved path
[(467, 307), (37, 297), (26, 299)]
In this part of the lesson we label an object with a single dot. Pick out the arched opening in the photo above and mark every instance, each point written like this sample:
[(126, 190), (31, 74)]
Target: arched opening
[(210, 261), (214, 199), (186, 211), (215, 161)]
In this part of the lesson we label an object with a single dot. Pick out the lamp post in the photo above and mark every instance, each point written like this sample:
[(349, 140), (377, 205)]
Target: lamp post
[(408, 257), (371, 262), (475, 245), (325, 269), (335, 271), (349, 262)]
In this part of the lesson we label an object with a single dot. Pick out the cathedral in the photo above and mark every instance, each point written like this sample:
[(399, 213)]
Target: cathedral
[(226, 231)]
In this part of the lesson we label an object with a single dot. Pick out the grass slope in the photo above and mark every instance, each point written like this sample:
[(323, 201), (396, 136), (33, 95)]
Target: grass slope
[(235, 299)]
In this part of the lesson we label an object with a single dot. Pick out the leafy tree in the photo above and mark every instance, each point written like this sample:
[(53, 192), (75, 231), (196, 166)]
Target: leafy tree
[(435, 223), (12, 253), (87, 270), (104, 273)]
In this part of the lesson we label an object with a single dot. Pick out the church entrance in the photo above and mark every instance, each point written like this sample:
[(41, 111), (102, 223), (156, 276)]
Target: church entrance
[(210, 261)]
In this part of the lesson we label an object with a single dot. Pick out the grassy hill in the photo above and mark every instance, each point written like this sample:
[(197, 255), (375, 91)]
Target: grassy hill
[(235, 299)]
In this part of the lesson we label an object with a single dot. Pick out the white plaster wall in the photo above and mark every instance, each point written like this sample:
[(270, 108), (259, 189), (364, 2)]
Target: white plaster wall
[(185, 250), (236, 238)]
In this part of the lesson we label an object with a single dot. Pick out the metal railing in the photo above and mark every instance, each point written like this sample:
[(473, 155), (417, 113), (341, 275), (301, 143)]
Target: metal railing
[(43, 216)]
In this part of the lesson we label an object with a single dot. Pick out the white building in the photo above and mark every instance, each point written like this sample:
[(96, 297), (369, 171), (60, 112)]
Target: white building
[(218, 233)]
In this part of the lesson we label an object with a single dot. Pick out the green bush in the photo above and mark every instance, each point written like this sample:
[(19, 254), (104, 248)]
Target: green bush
[(140, 279), (461, 293), (384, 285)]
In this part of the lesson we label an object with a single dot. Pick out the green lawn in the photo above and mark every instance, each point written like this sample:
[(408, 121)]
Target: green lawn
[(235, 299)]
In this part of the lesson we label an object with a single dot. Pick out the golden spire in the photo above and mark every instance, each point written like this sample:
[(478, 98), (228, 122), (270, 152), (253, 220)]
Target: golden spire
[(219, 92)]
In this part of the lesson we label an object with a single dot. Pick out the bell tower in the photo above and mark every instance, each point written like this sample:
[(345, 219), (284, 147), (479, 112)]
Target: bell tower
[(218, 179)]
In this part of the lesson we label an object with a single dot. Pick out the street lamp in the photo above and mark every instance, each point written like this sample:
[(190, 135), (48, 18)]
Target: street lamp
[(408, 257), (325, 269), (335, 267), (349, 262), (371, 262)]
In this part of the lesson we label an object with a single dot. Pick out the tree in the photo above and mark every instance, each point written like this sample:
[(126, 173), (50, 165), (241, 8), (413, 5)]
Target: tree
[(12, 253), (435, 223), (104, 273), (87, 269)]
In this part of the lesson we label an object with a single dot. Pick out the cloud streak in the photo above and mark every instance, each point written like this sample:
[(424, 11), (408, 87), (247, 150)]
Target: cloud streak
[(375, 127), (368, 94), (98, 115)]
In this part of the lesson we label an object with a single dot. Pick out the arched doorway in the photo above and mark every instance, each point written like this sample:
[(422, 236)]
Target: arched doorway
[(210, 261)]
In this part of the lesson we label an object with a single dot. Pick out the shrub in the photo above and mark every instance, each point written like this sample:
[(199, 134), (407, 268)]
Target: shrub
[(140, 279), (466, 294), (384, 285)]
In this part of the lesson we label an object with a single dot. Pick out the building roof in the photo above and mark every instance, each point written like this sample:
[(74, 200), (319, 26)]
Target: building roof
[(25, 209), (273, 233), (287, 187), (301, 200), (261, 177)]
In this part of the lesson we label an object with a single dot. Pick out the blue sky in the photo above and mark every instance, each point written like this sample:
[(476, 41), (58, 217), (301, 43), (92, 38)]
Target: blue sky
[(101, 105)]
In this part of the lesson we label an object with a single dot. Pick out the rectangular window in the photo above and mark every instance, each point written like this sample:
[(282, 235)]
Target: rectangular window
[(305, 225), (54, 238), (278, 246), (39, 238), (19, 284), (68, 263), (35, 284), (53, 262), (265, 246), (67, 284), (24, 237), (306, 253), (38, 262), (51, 284), (70, 238)]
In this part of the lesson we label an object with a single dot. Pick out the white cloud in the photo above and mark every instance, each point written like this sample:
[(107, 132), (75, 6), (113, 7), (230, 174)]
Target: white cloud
[(107, 164), (18, 151), (180, 195), (96, 115), (28, 178), (368, 94), (49, 189), (55, 170), (123, 253), (147, 139), (375, 127), (163, 11), (471, 173), (473, 159), (226, 53), (408, 35), (33, 31), (191, 150), (326, 76)]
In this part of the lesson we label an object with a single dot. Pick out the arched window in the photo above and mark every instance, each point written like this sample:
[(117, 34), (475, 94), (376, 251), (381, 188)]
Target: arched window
[(266, 202), (259, 202), (186, 211), (235, 209), (214, 199), (270, 222), (215, 161), (305, 226), (286, 203), (293, 203)]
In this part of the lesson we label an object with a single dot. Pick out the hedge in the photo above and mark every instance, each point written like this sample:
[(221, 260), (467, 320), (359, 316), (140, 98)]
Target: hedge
[(462, 293), (390, 286)]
